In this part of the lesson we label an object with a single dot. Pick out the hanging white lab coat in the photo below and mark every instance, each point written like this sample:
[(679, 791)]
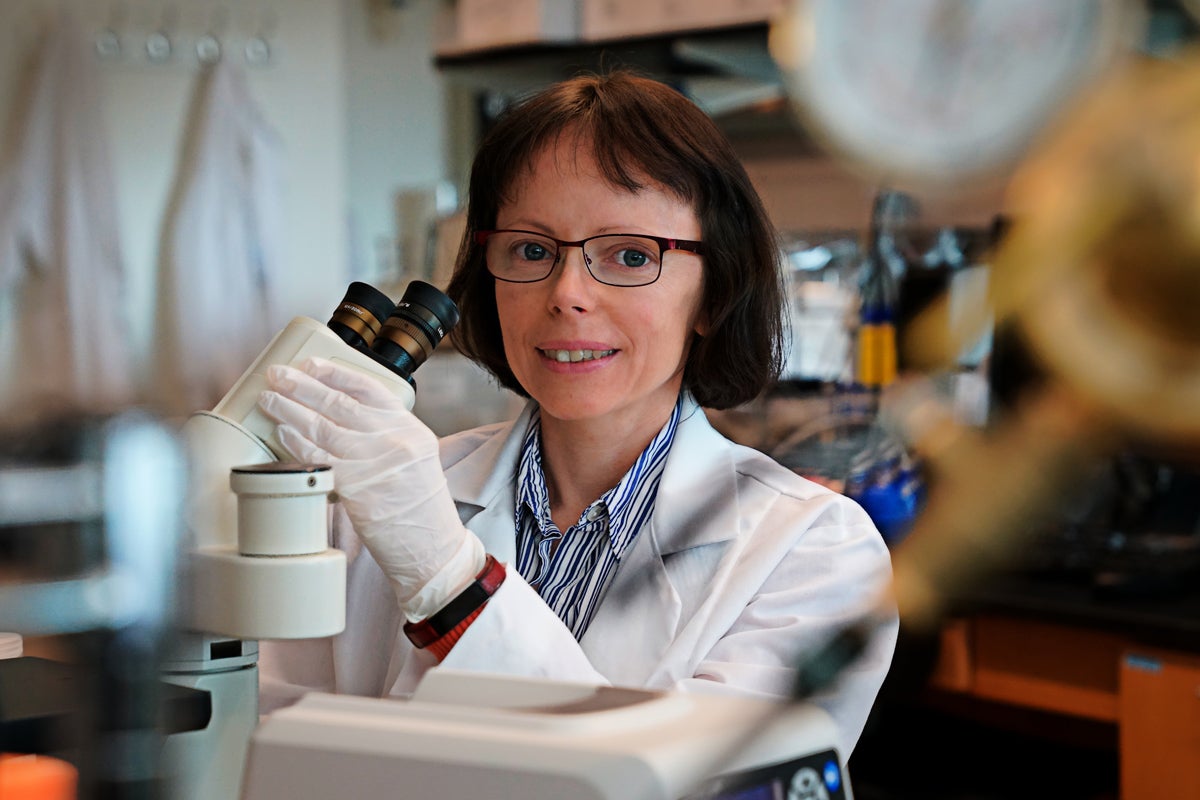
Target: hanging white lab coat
[(222, 255), (744, 567), (62, 314)]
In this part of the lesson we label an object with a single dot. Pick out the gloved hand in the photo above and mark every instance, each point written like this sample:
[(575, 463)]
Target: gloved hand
[(387, 475)]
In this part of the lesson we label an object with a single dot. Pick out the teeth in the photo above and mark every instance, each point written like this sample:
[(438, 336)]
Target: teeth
[(575, 356)]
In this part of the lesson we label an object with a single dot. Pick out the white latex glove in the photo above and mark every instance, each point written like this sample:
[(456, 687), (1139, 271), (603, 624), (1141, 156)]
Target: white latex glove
[(387, 475)]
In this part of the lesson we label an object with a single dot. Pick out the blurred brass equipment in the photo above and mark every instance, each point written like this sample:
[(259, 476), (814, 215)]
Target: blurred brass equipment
[(1100, 273)]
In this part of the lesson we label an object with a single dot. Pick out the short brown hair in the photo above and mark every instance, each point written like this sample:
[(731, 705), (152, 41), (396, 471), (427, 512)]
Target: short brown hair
[(640, 129)]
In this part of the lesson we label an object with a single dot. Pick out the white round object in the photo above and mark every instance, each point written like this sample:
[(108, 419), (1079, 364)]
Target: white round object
[(282, 508), (12, 645), (251, 597), (934, 91)]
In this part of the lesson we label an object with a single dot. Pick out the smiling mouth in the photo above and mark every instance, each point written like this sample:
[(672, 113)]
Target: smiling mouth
[(575, 356)]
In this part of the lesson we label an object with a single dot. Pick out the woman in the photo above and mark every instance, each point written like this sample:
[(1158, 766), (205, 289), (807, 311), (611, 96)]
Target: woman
[(619, 270)]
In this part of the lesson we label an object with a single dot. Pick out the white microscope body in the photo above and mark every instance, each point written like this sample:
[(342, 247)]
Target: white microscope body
[(279, 579), (259, 564)]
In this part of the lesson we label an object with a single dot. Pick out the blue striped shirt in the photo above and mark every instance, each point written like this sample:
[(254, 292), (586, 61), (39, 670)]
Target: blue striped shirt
[(573, 576)]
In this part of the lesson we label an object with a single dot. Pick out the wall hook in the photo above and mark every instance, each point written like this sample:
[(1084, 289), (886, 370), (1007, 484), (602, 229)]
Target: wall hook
[(258, 45), (108, 39), (160, 44), (208, 45)]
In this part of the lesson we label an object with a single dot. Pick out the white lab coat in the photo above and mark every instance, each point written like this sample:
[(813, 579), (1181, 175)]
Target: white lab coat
[(744, 566), (62, 316), (221, 262)]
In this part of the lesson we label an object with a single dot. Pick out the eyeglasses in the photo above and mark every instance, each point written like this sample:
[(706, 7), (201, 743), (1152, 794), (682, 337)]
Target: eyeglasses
[(616, 259)]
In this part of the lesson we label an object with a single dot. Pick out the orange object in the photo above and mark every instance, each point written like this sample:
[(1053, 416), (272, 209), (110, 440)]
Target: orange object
[(876, 354), (25, 777)]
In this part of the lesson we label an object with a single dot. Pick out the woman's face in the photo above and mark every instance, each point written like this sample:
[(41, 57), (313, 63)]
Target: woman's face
[(638, 336)]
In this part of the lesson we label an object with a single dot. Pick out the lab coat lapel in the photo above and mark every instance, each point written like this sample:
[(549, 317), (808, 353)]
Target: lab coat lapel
[(697, 500), (639, 615), (668, 572), (481, 483)]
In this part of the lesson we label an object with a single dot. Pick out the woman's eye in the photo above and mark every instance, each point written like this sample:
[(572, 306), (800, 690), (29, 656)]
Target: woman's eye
[(632, 258), (532, 251)]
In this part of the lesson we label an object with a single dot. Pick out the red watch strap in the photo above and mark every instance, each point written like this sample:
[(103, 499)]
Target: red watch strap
[(442, 646), (470, 600)]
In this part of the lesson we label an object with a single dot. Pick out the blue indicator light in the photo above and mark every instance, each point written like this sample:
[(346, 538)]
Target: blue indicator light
[(833, 776)]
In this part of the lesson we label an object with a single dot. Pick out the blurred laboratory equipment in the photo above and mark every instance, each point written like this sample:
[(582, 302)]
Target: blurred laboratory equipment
[(1094, 270), (1097, 274), (940, 93), (820, 273), (827, 275), (842, 444), (90, 533), (1131, 529)]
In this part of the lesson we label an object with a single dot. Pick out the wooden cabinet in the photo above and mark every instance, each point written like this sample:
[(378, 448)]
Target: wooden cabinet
[(1159, 717), (1152, 696)]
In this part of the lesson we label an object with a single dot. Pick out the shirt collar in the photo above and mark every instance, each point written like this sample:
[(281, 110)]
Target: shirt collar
[(626, 505)]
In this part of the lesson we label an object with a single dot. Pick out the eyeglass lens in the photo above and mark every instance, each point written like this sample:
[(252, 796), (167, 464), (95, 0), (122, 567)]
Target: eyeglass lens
[(617, 259)]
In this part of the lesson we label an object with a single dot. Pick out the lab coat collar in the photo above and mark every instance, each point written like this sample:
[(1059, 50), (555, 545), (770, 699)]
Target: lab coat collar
[(487, 470), (697, 498)]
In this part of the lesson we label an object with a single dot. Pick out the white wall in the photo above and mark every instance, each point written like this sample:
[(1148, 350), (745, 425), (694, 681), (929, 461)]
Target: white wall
[(397, 135), (302, 93)]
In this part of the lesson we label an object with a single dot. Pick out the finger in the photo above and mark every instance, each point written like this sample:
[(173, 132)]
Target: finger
[(366, 389), (300, 448), (340, 407), (288, 412), (347, 474), (340, 442), (306, 422), (283, 409)]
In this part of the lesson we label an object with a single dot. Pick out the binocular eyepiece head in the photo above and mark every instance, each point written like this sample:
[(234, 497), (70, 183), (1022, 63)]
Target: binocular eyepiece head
[(401, 336)]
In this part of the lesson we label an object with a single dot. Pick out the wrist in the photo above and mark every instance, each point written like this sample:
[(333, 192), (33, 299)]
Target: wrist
[(462, 609), (457, 573)]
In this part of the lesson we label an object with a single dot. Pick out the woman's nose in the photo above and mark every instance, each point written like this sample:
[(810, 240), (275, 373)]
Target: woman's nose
[(571, 281)]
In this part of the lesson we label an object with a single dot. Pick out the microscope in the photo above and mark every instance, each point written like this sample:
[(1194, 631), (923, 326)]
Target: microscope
[(259, 564)]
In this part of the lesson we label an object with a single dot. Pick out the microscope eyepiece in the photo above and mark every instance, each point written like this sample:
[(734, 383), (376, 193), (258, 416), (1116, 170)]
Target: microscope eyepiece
[(421, 320), (361, 314)]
